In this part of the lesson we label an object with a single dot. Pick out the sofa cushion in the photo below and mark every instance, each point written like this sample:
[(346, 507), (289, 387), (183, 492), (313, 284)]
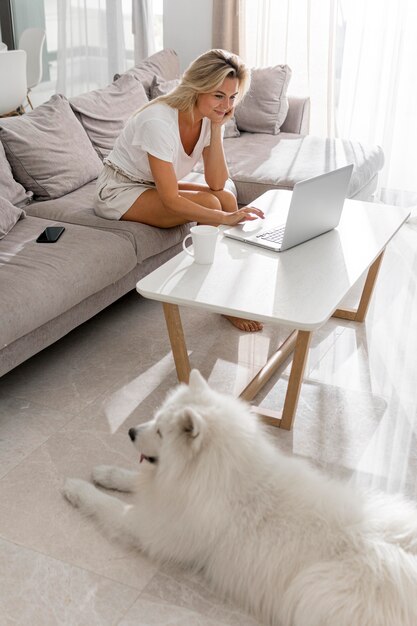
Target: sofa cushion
[(160, 87), (231, 130), (49, 150), (164, 63), (9, 216), (292, 159), (265, 106), (258, 163), (104, 112), (9, 187), (77, 208), (39, 282)]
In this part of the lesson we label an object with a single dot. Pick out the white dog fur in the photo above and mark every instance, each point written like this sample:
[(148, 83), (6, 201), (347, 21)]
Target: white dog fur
[(270, 532)]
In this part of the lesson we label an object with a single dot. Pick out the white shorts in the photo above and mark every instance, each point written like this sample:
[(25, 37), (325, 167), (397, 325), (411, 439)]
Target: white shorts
[(115, 193)]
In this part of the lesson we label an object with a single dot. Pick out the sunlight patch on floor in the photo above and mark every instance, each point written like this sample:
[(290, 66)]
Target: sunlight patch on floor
[(126, 399)]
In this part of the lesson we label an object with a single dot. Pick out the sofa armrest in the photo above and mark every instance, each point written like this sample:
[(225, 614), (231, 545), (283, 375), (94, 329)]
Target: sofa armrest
[(298, 116)]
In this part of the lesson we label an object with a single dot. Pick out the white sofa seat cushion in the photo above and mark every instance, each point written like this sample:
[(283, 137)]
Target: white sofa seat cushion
[(258, 163), (77, 208), (39, 282)]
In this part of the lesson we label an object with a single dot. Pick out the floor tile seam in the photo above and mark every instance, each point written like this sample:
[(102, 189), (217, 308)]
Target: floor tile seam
[(77, 566), (138, 597), (65, 427), (27, 457), (148, 597), (115, 381), (25, 396), (38, 404)]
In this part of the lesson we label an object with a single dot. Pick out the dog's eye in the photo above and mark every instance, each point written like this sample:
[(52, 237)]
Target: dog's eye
[(158, 432)]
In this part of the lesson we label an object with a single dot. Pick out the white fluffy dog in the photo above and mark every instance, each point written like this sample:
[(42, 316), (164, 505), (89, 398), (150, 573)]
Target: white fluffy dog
[(290, 545)]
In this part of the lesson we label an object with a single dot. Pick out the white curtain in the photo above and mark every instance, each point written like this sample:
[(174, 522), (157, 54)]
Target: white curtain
[(356, 61), (300, 33), (378, 88), (143, 29), (99, 38)]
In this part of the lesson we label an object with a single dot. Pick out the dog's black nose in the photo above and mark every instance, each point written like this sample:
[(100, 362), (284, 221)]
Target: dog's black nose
[(132, 433)]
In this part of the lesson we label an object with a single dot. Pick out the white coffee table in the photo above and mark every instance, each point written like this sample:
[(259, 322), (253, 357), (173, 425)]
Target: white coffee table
[(300, 288)]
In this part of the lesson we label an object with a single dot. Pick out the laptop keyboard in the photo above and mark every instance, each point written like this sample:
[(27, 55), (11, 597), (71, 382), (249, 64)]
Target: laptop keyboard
[(276, 235)]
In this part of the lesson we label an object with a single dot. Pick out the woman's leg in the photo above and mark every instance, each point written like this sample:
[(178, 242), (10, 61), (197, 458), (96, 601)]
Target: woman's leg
[(227, 199), (148, 209)]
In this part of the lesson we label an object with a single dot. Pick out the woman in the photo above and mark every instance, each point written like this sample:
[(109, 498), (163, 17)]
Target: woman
[(161, 143)]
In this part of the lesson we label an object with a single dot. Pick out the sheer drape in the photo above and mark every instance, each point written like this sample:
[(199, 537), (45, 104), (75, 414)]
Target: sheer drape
[(143, 29), (378, 89), (300, 33), (356, 61), (96, 39)]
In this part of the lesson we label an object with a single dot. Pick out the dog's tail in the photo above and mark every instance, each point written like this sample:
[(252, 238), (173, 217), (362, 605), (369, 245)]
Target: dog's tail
[(375, 588)]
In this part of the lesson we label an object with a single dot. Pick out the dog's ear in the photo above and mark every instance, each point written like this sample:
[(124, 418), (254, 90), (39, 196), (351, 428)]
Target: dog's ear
[(192, 425), (197, 382)]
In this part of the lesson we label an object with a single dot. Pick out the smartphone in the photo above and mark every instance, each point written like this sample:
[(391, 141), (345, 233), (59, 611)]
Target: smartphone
[(50, 234)]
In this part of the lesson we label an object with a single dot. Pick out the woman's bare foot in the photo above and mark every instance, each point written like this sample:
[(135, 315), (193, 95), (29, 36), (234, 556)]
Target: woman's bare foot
[(249, 326)]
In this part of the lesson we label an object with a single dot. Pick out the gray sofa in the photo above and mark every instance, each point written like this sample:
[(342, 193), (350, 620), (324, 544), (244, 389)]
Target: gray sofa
[(50, 160)]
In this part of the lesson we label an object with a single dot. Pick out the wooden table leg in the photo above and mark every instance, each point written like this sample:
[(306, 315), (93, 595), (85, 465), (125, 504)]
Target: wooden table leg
[(359, 314), (300, 339), (274, 362), (299, 343), (295, 379), (176, 337)]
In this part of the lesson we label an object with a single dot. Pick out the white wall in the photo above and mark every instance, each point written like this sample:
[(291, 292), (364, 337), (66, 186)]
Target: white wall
[(187, 28)]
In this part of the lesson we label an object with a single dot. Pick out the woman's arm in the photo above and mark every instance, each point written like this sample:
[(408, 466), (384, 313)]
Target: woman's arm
[(215, 167), (167, 187)]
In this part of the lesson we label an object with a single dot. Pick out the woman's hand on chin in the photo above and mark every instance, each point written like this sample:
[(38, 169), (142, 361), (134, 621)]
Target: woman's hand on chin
[(228, 116), (223, 120)]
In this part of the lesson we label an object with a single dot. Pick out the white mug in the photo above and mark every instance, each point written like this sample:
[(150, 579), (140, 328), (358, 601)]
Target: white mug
[(204, 243)]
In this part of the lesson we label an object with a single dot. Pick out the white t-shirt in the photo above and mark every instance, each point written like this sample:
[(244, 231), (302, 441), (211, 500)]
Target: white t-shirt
[(155, 130)]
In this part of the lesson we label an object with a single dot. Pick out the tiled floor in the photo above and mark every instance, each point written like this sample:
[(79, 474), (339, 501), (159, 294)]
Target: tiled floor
[(69, 408)]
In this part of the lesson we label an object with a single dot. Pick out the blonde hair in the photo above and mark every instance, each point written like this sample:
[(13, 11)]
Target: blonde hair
[(205, 75)]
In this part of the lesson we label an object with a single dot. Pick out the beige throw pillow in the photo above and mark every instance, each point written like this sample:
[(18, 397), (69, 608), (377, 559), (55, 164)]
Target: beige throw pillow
[(49, 150), (160, 87), (164, 63), (104, 112), (10, 189), (231, 130), (9, 216), (265, 106)]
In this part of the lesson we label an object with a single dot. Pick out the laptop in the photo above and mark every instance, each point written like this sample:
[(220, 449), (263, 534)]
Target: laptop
[(315, 207)]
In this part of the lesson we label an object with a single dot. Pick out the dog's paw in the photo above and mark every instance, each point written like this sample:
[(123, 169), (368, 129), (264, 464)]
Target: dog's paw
[(77, 492), (103, 475), (114, 478)]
